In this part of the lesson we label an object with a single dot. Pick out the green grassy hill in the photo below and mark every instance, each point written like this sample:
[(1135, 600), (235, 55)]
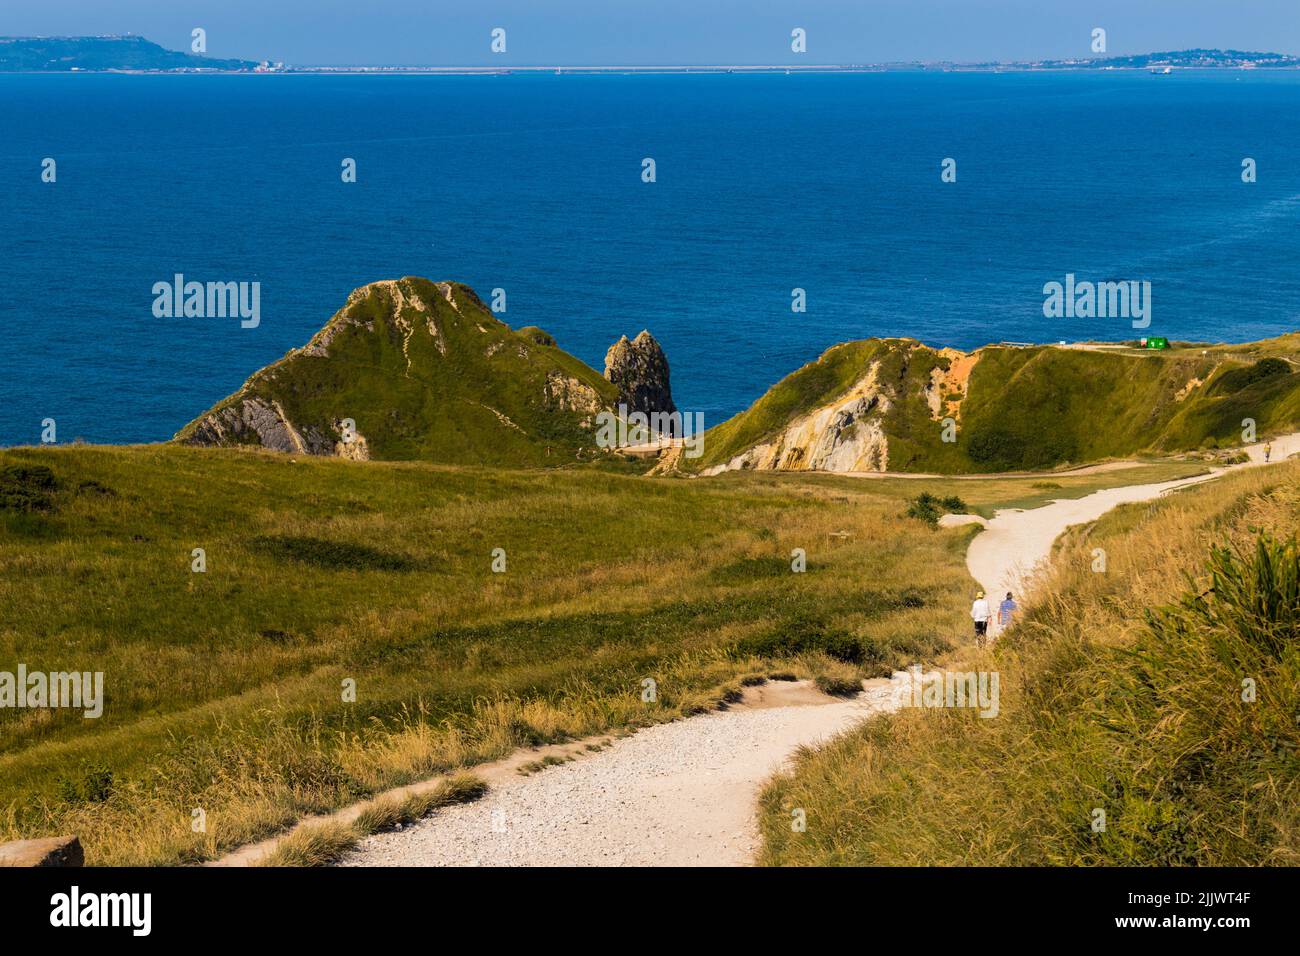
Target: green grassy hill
[(882, 402), (425, 371), (223, 687)]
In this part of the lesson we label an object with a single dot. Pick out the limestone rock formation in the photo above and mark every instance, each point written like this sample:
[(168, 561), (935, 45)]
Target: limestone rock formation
[(845, 435), (639, 369)]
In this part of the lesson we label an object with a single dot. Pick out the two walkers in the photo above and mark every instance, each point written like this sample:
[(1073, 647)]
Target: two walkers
[(981, 613)]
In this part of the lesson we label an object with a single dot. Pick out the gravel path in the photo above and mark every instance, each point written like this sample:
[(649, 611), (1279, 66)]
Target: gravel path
[(679, 794), (1016, 543)]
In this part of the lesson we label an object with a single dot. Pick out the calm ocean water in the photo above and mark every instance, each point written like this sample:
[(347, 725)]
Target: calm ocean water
[(532, 183)]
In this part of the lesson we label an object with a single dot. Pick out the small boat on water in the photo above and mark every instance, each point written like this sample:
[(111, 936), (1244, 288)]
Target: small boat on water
[(1162, 70)]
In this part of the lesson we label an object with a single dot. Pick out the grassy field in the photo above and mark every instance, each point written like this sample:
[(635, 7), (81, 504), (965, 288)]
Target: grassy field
[(1123, 693), (224, 689)]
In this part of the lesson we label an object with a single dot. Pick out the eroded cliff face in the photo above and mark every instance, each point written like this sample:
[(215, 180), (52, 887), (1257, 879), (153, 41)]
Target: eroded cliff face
[(639, 369), (948, 387), (567, 393), (844, 435), (254, 421)]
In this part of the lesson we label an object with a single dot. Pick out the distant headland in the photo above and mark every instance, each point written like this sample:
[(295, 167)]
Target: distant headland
[(135, 54)]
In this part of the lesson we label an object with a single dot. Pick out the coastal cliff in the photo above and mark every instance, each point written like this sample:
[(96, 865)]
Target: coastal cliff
[(411, 369)]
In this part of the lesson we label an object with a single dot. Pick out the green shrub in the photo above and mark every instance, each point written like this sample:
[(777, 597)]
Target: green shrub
[(1254, 598), (838, 686), (802, 635), (27, 488), (93, 785), (332, 555), (928, 508)]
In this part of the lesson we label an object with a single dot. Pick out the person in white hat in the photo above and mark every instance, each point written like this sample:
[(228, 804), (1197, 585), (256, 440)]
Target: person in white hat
[(980, 614)]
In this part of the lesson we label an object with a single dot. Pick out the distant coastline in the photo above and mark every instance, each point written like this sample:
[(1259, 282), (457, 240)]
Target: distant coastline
[(134, 55)]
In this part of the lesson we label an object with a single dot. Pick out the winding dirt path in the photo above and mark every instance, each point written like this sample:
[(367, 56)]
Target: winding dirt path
[(685, 793)]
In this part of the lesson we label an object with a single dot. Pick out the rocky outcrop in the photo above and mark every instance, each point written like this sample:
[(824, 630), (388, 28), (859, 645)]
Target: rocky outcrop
[(50, 851), (566, 393), (639, 369), (845, 435), (253, 421)]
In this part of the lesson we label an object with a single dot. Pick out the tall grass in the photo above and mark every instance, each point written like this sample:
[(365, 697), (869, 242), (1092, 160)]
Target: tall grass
[(1148, 713)]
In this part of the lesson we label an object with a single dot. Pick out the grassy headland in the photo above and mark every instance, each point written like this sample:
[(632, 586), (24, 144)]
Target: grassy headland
[(423, 371), (1018, 409)]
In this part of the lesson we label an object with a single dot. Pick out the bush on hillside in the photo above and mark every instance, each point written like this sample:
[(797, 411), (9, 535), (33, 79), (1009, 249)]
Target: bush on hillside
[(27, 488), (1253, 601), (929, 508), (801, 635)]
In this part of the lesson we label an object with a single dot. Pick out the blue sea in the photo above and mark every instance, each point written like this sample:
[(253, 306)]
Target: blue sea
[(532, 183)]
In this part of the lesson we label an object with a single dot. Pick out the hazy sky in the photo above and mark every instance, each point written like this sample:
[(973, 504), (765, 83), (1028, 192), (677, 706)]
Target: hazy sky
[(456, 32)]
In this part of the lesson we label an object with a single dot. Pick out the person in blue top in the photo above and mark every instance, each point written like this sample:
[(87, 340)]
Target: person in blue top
[(1006, 611)]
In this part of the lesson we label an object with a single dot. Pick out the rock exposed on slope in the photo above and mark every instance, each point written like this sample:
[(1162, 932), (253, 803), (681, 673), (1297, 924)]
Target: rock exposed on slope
[(844, 435), (254, 421), (639, 369)]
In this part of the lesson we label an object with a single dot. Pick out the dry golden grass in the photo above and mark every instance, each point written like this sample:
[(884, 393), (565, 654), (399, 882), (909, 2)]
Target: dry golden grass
[(323, 842)]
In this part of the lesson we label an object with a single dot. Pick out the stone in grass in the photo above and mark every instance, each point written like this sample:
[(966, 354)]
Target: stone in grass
[(48, 851)]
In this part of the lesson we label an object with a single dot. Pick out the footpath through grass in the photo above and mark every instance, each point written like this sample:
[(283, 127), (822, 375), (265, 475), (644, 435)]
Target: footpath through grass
[(1149, 714), (228, 691)]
